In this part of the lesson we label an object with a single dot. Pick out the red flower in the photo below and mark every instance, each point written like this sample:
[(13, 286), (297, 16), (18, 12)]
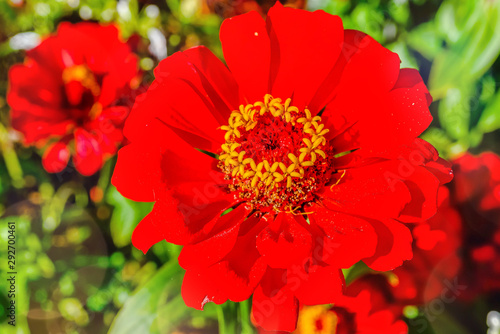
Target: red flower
[(363, 310), (73, 94), (299, 160), (435, 262), (367, 306), (476, 196)]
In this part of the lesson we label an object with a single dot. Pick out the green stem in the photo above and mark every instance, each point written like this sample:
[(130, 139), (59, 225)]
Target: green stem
[(221, 320), (10, 158), (105, 176), (227, 316), (244, 312)]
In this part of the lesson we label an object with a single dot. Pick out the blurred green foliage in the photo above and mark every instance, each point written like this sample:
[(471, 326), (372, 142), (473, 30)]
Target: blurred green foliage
[(78, 272)]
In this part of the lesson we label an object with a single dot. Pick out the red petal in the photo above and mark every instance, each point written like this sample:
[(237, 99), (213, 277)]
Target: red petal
[(216, 79), (304, 53), (88, 156), (394, 245), (137, 173), (374, 190), (376, 113), (203, 286), (235, 277), (382, 322), (423, 186), (216, 245), (34, 84), (195, 193), (181, 220), (160, 157), (187, 97), (441, 169), (410, 78), (347, 240), (365, 68), (274, 306), (246, 49), (175, 103), (291, 244), (323, 285), (402, 115), (146, 234), (244, 265), (56, 157), (207, 76)]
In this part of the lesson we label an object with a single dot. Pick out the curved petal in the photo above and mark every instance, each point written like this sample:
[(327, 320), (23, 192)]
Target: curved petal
[(33, 83), (364, 68), (393, 247), (137, 173), (347, 240), (247, 52), (441, 169), (274, 307), (146, 234), (181, 109), (182, 221), (423, 186), (56, 157), (304, 53), (170, 161), (375, 190), (88, 157), (193, 94), (234, 278), (324, 285), (244, 266), (216, 245), (202, 287), (410, 78), (290, 243)]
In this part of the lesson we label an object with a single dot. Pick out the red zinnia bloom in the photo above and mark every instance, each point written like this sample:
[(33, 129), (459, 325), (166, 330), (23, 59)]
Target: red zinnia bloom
[(73, 93), (299, 160)]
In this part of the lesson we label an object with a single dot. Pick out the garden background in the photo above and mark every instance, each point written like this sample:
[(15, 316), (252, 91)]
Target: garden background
[(77, 270)]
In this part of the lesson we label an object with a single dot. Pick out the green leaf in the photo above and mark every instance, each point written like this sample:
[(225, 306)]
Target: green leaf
[(425, 40), (126, 215), (473, 31), (490, 118), (368, 19), (155, 306), (454, 112)]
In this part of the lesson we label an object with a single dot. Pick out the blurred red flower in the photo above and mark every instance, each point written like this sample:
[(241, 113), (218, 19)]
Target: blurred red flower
[(364, 309), (316, 167), (476, 196), (456, 252), (72, 94)]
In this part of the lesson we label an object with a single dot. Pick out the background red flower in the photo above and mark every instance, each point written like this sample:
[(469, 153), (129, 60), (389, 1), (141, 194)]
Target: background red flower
[(475, 194), (72, 95)]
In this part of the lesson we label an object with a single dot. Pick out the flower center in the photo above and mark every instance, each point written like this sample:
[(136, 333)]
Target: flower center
[(318, 320), (275, 154), (83, 75)]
